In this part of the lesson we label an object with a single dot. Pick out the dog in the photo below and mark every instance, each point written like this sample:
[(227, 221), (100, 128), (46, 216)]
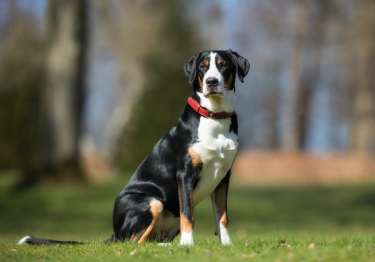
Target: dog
[(192, 161)]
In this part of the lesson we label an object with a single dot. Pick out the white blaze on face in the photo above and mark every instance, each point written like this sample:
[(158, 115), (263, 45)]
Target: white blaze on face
[(224, 103), (213, 72)]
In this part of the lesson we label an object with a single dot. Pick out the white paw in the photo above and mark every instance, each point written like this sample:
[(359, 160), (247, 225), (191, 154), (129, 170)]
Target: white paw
[(187, 239), (224, 236), (164, 244)]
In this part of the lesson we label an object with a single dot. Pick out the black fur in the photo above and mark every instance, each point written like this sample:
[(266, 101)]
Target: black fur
[(191, 68), (37, 241), (242, 65), (167, 163)]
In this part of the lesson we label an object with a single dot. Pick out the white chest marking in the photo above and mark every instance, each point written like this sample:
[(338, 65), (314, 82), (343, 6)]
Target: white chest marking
[(217, 148)]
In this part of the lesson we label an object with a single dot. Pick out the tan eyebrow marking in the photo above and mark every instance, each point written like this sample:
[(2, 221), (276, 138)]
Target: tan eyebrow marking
[(219, 61), (206, 62)]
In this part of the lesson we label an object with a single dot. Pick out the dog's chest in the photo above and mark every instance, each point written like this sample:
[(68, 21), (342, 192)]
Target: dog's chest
[(216, 147)]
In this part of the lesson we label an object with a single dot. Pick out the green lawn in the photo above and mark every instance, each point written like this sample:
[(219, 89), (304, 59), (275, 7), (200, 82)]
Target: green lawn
[(276, 223)]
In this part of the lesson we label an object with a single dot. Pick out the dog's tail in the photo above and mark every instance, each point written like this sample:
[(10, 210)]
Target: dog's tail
[(110, 240), (32, 240)]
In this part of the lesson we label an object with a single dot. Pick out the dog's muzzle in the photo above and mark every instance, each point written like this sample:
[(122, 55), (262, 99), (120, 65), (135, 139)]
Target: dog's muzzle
[(213, 87)]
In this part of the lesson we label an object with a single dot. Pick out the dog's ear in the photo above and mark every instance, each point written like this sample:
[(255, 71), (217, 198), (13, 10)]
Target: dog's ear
[(242, 65), (190, 67)]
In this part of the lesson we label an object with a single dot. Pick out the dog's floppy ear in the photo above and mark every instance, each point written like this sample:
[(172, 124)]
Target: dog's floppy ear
[(190, 67), (242, 65)]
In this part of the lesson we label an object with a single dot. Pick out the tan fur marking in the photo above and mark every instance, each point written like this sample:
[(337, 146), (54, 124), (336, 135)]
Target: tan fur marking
[(219, 61), (224, 220), (206, 62), (195, 158), (230, 81), (185, 225), (200, 82), (155, 208), (137, 236)]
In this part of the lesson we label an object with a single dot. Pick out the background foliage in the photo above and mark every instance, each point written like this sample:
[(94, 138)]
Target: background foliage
[(166, 85)]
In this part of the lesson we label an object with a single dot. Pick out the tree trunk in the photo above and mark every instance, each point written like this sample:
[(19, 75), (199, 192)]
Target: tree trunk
[(363, 106), (65, 89), (304, 75), (290, 134), (311, 71)]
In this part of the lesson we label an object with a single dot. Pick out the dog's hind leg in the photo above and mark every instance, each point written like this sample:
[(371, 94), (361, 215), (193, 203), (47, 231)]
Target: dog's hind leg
[(135, 216), (155, 208), (173, 234)]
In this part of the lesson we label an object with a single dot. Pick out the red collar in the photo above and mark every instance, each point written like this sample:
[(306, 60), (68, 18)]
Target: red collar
[(206, 113)]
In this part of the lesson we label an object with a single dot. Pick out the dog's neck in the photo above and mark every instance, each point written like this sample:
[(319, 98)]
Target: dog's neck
[(218, 104)]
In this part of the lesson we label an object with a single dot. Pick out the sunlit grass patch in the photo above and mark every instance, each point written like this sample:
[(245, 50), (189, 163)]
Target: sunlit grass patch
[(346, 248), (309, 223)]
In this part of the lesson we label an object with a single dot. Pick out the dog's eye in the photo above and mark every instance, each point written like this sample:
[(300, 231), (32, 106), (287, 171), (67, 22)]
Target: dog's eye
[(203, 66), (223, 65)]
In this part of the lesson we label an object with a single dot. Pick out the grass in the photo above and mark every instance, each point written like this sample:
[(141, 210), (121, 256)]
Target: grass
[(267, 223)]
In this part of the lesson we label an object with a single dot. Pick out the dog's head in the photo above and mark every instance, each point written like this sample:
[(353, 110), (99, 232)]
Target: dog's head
[(212, 74)]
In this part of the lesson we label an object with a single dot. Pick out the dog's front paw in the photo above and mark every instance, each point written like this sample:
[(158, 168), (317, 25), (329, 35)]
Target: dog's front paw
[(187, 239), (226, 241), (224, 237)]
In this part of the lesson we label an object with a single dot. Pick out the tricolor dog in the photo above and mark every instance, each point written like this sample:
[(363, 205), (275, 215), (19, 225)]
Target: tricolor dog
[(192, 161)]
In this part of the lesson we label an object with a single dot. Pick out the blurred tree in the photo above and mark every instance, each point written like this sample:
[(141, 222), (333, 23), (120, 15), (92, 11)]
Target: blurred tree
[(21, 79), (129, 32), (129, 38), (314, 48), (42, 92), (212, 30), (64, 92), (165, 85), (309, 24), (299, 23), (340, 45), (363, 86)]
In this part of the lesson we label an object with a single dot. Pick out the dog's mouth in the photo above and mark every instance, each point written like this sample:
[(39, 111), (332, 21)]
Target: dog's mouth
[(213, 93)]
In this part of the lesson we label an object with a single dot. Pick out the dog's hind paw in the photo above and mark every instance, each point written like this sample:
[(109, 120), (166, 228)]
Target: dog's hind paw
[(164, 244)]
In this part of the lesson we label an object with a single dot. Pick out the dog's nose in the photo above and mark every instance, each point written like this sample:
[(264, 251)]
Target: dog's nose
[(212, 82)]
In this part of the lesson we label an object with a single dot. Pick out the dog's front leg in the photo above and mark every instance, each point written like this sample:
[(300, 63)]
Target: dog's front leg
[(186, 209), (219, 204)]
